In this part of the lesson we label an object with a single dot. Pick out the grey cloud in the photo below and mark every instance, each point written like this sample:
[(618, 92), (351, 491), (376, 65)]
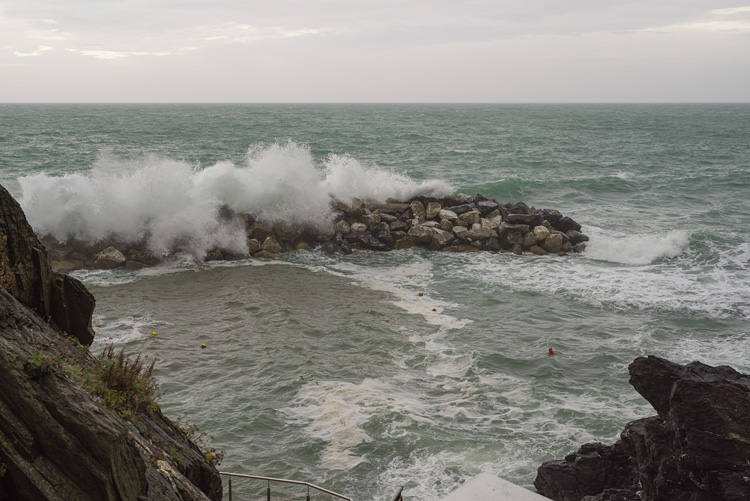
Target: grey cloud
[(549, 15), (410, 43)]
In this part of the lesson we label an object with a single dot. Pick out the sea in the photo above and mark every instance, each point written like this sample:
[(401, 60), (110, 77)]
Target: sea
[(364, 372)]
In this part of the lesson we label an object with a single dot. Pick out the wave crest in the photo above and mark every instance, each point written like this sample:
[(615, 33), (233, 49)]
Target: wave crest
[(637, 249), (170, 204)]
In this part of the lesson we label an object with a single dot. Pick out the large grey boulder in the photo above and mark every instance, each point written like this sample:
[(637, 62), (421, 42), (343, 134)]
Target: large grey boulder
[(109, 258), (553, 243), (440, 239), (421, 234), (418, 210), (432, 210)]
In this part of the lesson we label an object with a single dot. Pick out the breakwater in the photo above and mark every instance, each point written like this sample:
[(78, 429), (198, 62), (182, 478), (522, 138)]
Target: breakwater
[(456, 223)]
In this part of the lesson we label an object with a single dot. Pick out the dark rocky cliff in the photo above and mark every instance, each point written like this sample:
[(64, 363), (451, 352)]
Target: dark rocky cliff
[(56, 441), (60, 298), (697, 448)]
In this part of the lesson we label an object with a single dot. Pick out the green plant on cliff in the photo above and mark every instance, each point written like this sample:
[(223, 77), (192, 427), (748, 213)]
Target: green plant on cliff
[(7, 277), (130, 380), (177, 460), (122, 383), (128, 386), (201, 439), (39, 364)]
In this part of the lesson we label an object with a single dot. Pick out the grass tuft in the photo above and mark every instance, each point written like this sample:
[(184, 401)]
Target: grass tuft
[(125, 384), (39, 364)]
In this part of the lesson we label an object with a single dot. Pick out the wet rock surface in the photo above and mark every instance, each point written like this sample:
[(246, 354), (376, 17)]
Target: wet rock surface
[(697, 448)]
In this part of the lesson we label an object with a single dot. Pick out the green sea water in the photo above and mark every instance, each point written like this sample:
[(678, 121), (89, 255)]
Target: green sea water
[(333, 369)]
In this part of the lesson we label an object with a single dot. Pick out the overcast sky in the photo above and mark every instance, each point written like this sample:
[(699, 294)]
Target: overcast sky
[(375, 51)]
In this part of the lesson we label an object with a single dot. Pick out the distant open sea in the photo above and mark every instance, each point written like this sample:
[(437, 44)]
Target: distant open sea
[(331, 368)]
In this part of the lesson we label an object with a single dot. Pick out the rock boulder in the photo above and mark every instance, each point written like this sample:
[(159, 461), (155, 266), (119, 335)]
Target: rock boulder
[(109, 258)]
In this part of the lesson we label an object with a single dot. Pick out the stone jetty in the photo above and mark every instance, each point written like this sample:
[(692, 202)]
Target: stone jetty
[(457, 223)]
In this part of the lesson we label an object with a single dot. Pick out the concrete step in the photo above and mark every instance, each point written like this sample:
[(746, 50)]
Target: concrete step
[(486, 487)]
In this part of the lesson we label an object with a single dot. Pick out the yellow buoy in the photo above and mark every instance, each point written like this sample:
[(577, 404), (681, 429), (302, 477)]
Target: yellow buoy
[(434, 309), (153, 333), (203, 346)]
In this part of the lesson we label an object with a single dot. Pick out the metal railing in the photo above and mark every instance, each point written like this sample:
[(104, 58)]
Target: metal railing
[(398, 496), (283, 481)]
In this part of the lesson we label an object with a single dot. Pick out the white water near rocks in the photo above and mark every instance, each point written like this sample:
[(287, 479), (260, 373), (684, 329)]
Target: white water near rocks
[(333, 369)]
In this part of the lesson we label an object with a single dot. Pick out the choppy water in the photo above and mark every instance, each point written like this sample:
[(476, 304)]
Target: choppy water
[(333, 369)]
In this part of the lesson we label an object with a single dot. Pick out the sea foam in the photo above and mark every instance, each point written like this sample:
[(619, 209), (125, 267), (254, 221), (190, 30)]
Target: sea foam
[(637, 249), (336, 412), (173, 205)]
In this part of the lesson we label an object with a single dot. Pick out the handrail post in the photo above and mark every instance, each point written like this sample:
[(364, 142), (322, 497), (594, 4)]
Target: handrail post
[(398, 496), (268, 491), (308, 493), (230, 488)]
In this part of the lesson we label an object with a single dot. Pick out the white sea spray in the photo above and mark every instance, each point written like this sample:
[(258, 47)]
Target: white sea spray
[(176, 206), (637, 248)]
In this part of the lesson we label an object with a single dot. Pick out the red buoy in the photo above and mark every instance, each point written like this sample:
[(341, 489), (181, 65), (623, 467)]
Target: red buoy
[(552, 352)]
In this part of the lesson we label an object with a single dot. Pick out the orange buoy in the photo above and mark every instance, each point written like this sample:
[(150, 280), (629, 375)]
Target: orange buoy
[(421, 294), (552, 352)]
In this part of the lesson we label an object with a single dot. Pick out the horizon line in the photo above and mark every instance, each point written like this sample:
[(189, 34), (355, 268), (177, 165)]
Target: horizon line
[(367, 102)]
